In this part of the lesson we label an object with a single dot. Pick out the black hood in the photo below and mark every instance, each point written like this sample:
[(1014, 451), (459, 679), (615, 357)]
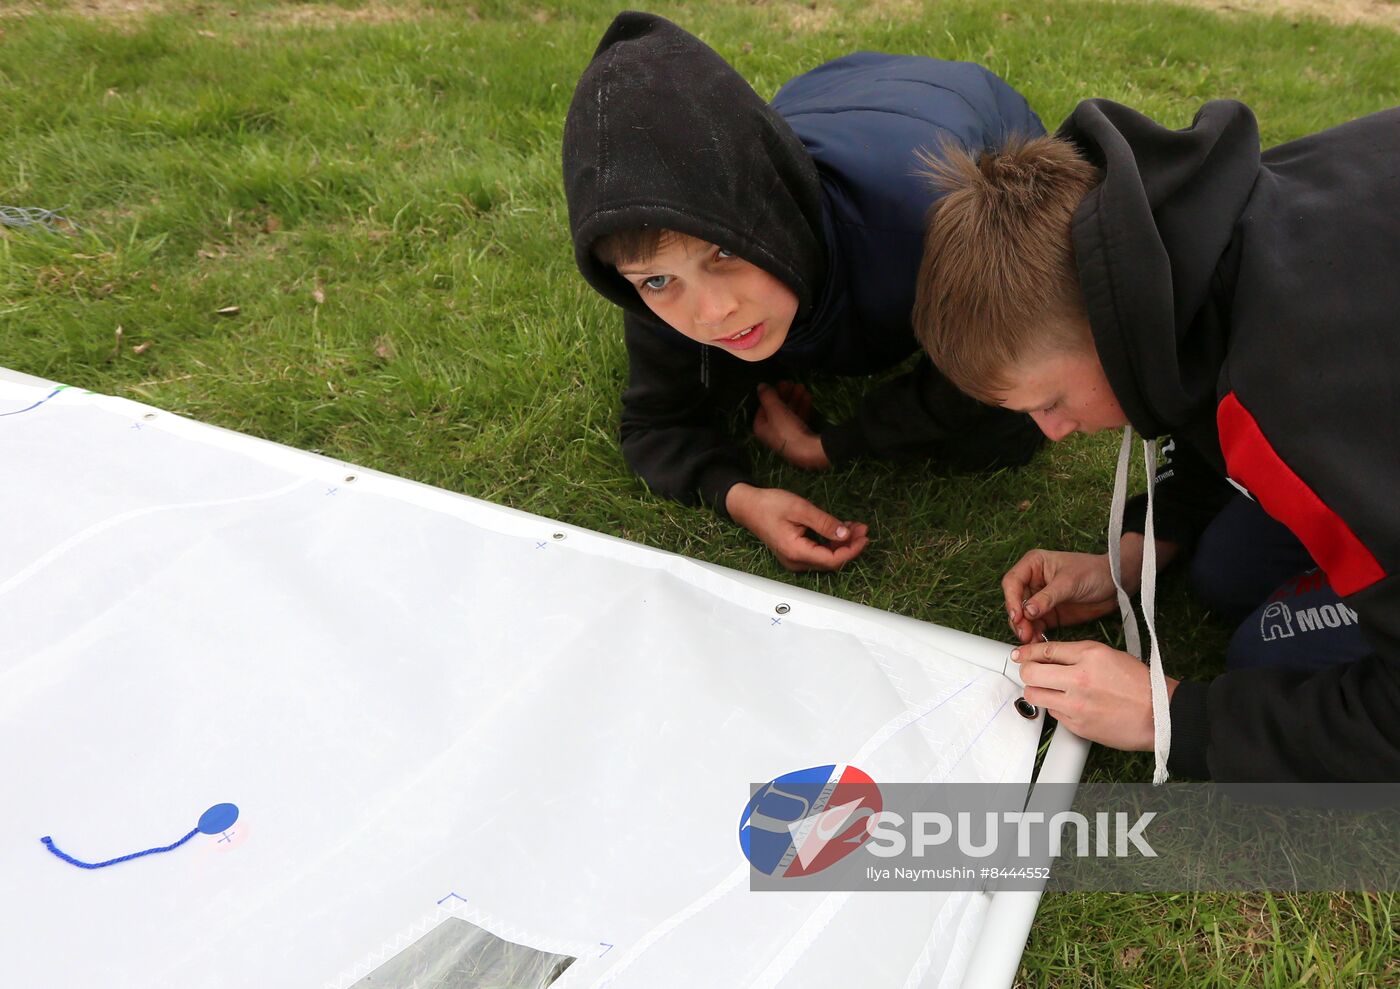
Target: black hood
[(1149, 241), (662, 132)]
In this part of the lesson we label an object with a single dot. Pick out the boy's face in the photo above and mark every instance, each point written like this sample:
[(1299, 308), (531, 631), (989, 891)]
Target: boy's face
[(1065, 392), (713, 297)]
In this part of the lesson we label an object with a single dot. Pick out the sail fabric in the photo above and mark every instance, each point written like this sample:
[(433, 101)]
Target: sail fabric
[(423, 708)]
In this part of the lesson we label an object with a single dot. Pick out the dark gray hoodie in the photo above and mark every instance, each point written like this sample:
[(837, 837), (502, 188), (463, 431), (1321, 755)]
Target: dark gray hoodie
[(1247, 304)]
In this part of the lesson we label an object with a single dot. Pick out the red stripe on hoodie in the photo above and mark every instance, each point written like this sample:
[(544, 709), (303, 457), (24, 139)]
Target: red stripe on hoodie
[(1253, 462)]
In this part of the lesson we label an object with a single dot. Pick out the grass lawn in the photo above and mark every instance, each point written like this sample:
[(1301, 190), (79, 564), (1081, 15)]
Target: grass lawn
[(375, 187)]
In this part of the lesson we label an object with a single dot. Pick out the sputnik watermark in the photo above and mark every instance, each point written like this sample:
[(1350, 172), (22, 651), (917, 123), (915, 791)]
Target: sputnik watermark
[(1112, 834), (834, 828)]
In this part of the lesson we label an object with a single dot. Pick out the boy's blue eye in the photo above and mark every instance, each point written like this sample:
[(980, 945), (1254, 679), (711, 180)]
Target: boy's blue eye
[(722, 253), (656, 283)]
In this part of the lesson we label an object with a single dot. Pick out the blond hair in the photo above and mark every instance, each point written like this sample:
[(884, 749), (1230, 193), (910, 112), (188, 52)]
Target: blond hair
[(998, 281)]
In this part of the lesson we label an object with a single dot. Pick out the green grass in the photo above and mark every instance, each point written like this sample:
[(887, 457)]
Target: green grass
[(376, 187)]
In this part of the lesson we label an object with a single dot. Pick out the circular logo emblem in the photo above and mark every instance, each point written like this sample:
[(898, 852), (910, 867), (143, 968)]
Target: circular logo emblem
[(806, 821)]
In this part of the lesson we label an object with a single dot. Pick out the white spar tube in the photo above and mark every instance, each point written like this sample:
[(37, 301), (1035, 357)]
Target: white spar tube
[(997, 955)]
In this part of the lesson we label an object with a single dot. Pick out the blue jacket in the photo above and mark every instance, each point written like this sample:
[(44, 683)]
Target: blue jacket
[(865, 119)]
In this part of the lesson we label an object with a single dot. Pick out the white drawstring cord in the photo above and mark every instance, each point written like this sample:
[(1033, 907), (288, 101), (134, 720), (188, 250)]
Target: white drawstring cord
[(1161, 709), (1115, 536), (1161, 706)]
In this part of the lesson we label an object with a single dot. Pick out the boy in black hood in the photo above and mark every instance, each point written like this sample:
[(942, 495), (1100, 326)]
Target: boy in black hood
[(1244, 303), (745, 241)]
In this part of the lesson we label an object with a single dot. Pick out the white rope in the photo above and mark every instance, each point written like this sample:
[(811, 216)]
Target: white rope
[(1115, 536), (1161, 708)]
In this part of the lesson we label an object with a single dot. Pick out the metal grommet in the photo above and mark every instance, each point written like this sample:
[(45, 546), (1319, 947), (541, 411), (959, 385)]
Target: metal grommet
[(349, 478), (1026, 709), (783, 609), (558, 535)]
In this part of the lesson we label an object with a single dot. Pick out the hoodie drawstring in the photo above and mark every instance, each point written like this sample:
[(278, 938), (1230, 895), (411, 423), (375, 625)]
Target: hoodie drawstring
[(1161, 712)]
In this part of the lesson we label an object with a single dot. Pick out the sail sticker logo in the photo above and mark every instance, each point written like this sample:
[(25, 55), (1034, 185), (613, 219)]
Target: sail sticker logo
[(808, 820)]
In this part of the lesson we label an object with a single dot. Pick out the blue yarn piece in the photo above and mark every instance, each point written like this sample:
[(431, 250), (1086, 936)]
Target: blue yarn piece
[(48, 843), (36, 404)]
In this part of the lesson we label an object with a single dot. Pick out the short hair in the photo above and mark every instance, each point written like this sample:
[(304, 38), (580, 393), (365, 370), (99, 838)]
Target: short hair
[(998, 280), (636, 245)]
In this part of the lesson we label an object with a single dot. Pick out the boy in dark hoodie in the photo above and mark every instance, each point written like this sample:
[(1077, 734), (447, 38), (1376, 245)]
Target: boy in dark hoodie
[(1244, 303), (747, 242)]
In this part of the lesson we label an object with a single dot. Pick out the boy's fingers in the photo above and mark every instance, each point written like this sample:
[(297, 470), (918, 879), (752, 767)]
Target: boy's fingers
[(772, 403), (826, 526), (1015, 588), (854, 531), (1048, 676), (800, 399), (1045, 698), (836, 557), (807, 555), (769, 429), (1024, 572), (1052, 651), (1042, 602), (1025, 631), (844, 555), (846, 551)]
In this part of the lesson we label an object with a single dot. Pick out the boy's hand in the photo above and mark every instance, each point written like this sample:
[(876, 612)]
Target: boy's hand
[(782, 519), (1051, 590), (781, 423), (1094, 690), (1047, 590)]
